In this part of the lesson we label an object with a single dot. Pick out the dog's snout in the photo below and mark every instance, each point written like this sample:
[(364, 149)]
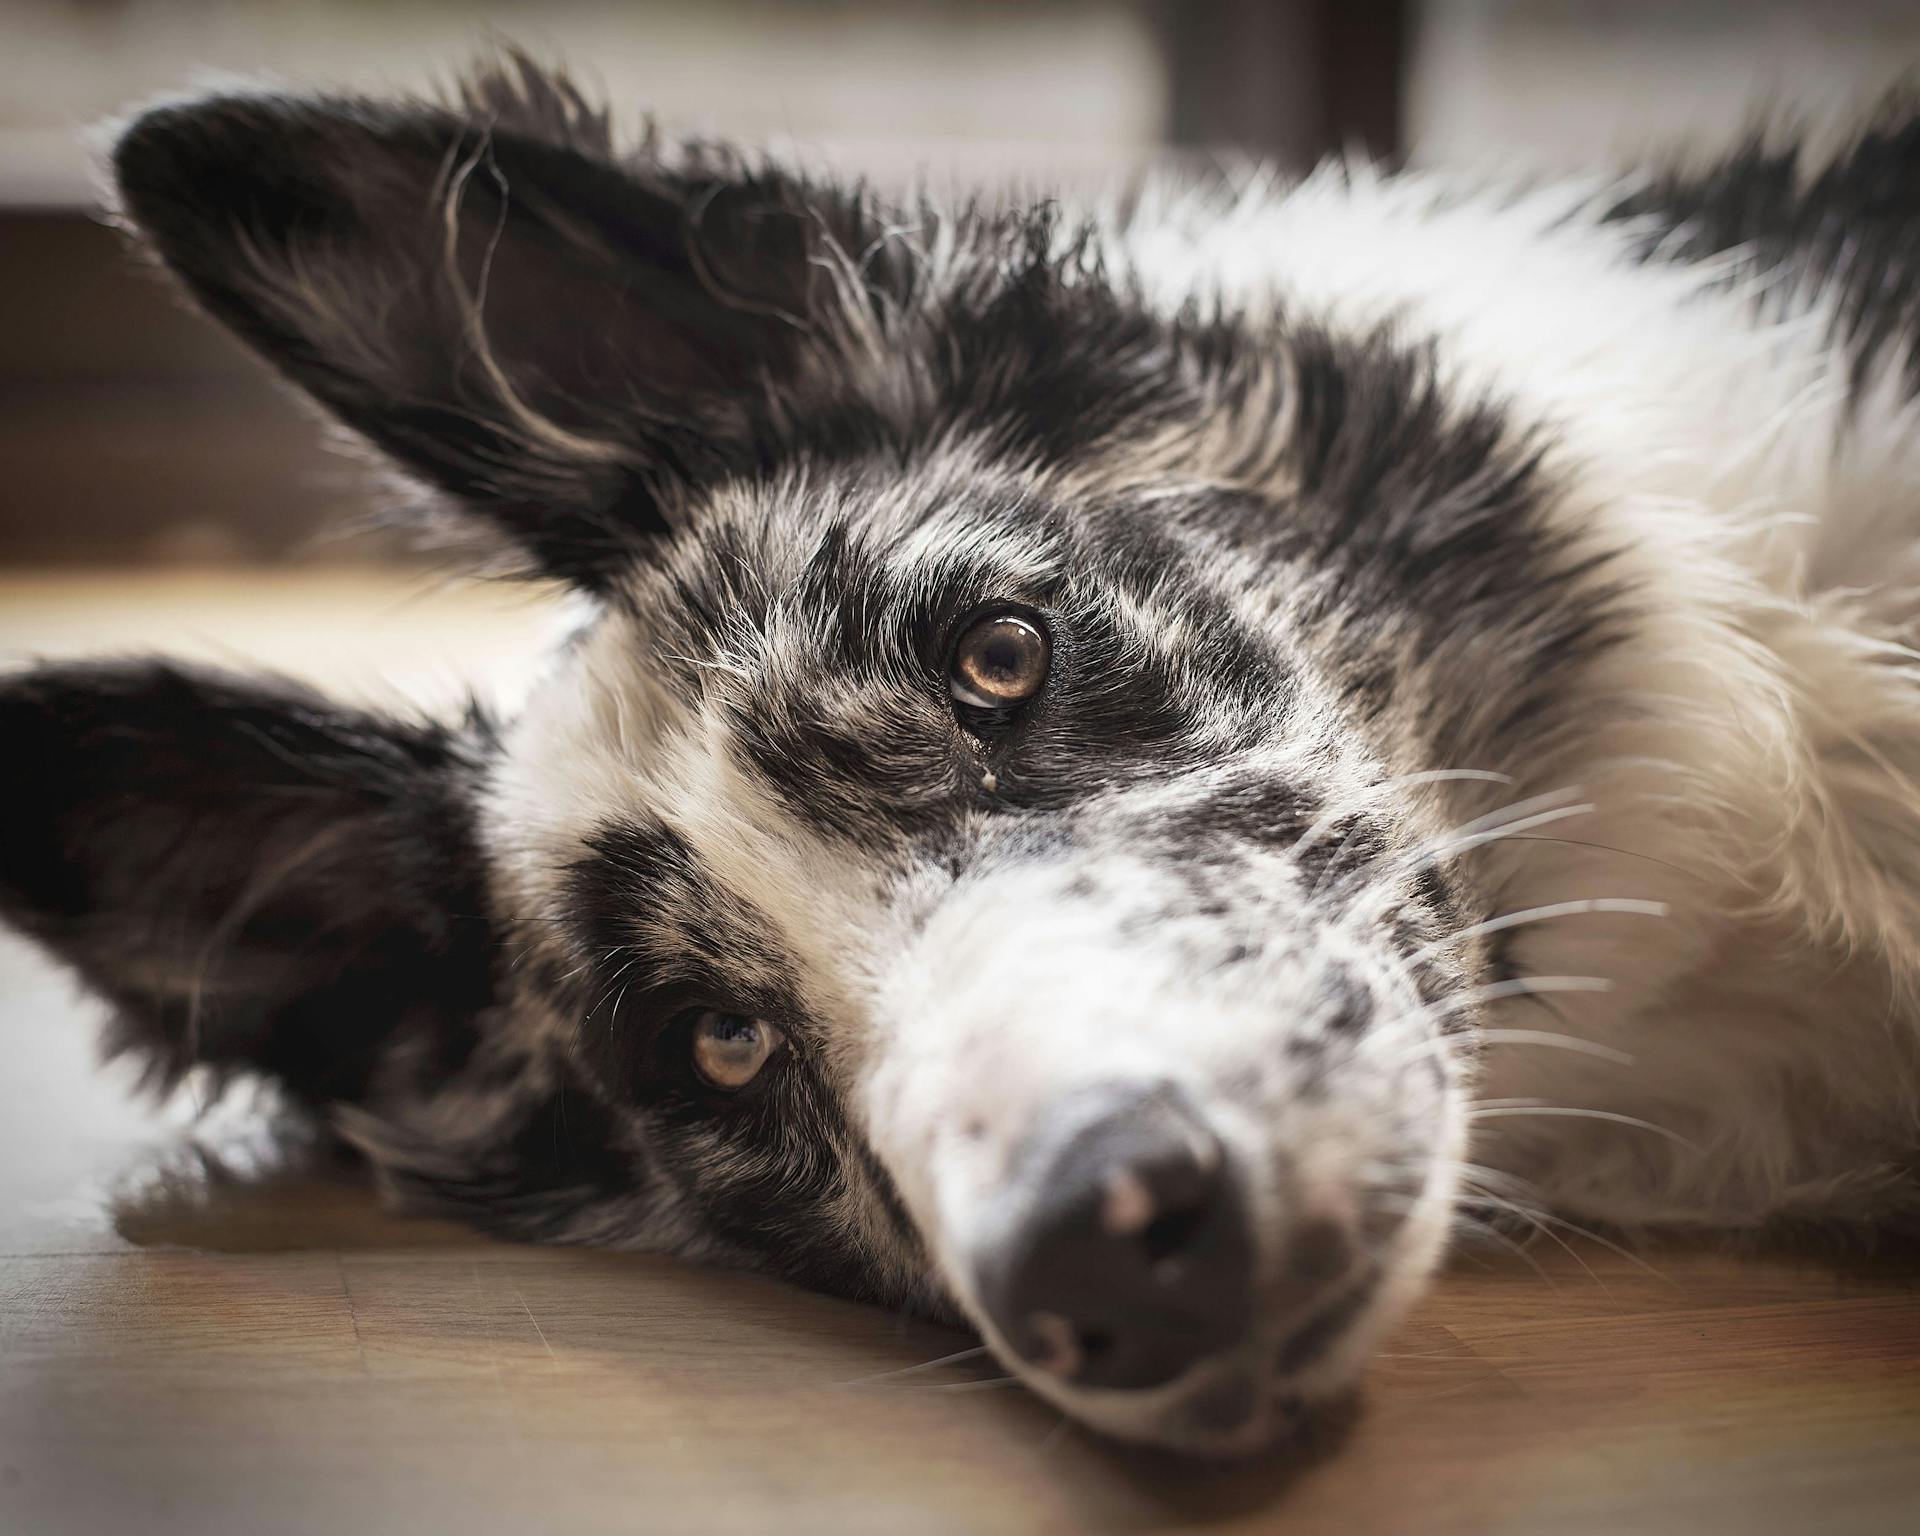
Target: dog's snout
[(1131, 1258)]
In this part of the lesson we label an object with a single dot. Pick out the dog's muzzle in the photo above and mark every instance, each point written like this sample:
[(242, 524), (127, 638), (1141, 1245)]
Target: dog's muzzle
[(1125, 1253)]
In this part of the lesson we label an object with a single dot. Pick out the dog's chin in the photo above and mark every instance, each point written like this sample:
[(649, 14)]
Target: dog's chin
[(1244, 1402), (1275, 1388), (1237, 1405)]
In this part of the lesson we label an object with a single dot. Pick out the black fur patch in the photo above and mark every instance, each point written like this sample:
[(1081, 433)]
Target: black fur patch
[(257, 878), (764, 1168), (1853, 225), (551, 1166), (560, 339), (1426, 518)]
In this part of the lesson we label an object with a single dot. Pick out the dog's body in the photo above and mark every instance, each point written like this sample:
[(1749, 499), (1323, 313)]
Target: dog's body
[(1436, 639), (1720, 372)]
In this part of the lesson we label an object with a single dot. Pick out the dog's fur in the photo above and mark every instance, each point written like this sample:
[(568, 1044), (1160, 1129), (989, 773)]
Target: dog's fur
[(1482, 724)]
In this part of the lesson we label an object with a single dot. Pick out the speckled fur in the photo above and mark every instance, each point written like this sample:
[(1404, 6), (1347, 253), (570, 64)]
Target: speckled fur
[(1477, 767)]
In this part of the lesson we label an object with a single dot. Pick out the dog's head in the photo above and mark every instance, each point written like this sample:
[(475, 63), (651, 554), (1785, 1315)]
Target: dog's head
[(991, 847)]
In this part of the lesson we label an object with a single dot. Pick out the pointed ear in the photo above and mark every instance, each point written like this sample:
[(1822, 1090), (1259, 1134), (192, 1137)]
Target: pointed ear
[(257, 879), (561, 339)]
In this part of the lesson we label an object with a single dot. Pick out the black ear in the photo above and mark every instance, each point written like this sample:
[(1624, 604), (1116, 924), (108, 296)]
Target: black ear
[(257, 879), (537, 1158), (561, 338)]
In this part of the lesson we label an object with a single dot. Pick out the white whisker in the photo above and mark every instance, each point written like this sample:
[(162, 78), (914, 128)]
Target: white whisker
[(1518, 1251), (1555, 1042), (1516, 986), (1540, 1037), (912, 1370), (1448, 849), (1501, 1110), (1535, 1219), (1523, 986), (1327, 822), (1612, 1247), (1507, 920)]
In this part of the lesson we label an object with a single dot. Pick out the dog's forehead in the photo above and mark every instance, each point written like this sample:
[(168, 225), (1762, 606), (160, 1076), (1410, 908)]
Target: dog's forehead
[(611, 755), (674, 718), (761, 554), (767, 695)]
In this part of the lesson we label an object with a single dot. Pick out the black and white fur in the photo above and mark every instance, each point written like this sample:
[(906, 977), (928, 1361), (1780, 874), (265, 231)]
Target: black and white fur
[(1478, 764)]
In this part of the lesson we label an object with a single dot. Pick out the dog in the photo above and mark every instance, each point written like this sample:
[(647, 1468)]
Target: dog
[(1123, 774)]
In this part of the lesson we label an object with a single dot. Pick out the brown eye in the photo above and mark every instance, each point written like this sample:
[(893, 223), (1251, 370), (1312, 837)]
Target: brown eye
[(730, 1049), (1000, 663)]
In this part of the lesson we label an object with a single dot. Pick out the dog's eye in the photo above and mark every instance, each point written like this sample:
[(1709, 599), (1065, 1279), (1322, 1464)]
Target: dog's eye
[(730, 1049), (1000, 663)]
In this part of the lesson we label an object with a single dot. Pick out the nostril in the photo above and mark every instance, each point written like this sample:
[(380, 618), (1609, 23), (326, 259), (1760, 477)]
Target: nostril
[(1057, 1347), (1054, 1345), (1095, 1345), (1169, 1233), (1167, 1196)]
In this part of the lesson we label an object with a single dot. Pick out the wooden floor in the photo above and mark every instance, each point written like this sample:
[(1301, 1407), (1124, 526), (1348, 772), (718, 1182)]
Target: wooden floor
[(201, 1334)]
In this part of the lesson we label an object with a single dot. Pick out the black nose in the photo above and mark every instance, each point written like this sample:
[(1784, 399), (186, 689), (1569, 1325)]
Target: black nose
[(1129, 1258)]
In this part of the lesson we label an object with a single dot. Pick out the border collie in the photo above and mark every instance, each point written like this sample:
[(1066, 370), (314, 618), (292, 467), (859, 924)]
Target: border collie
[(1122, 772)]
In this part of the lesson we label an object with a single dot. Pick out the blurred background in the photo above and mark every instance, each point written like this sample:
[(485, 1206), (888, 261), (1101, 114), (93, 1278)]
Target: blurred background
[(134, 435)]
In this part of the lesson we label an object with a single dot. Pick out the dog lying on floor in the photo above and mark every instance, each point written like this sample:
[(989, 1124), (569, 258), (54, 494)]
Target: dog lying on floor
[(1121, 773)]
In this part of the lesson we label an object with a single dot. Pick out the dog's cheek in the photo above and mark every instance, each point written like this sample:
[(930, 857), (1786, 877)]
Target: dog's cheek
[(919, 1139)]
